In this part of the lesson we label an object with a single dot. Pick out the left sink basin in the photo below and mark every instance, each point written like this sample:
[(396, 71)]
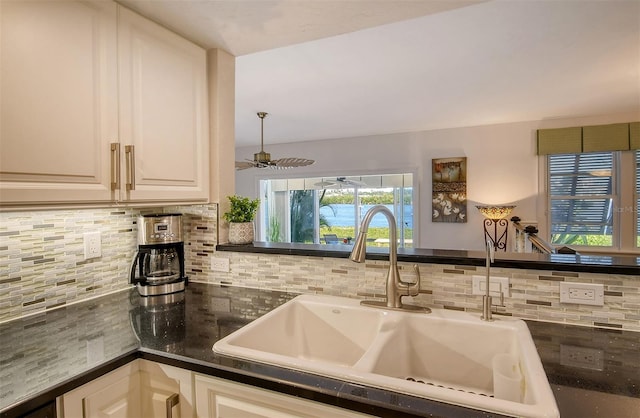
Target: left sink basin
[(307, 332)]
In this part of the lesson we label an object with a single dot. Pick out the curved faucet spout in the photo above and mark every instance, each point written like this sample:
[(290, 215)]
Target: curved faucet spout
[(359, 248), (396, 288)]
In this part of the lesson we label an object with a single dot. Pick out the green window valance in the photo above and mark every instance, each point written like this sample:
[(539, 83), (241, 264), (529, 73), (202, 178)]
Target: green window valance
[(605, 138), (559, 141), (634, 135), (614, 137)]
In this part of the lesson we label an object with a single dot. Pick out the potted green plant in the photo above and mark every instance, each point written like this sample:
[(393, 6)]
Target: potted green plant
[(240, 217)]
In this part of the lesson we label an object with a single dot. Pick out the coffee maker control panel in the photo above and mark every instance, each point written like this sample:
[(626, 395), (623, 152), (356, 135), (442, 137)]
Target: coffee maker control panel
[(159, 229)]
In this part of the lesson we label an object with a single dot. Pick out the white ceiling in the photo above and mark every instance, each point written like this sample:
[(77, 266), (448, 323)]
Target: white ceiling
[(334, 69)]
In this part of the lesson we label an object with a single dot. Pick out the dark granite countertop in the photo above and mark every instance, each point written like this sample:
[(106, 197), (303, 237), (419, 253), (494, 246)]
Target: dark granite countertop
[(46, 355), (592, 263)]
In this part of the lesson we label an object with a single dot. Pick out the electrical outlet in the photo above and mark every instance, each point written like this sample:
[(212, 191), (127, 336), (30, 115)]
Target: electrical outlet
[(220, 264), (582, 293), (582, 357), (496, 285), (92, 245)]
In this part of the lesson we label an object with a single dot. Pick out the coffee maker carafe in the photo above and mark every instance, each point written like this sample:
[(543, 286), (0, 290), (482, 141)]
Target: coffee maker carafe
[(158, 266)]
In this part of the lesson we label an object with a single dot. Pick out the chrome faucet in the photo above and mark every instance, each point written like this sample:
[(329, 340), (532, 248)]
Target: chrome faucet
[(486, 299), (396, 288)]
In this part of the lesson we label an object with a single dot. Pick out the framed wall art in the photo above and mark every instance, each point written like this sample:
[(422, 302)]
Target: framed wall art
[(449, 177)]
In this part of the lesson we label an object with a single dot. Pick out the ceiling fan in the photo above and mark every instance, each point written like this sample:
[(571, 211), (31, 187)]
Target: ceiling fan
[(340, 182), (263, 159)]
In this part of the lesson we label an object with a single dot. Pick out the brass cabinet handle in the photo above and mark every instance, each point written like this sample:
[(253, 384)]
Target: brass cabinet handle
[(130, 157), (115, 166), (172, 401)]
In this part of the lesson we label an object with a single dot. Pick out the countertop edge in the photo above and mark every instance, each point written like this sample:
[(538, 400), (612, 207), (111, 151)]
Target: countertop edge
[(26, 406)]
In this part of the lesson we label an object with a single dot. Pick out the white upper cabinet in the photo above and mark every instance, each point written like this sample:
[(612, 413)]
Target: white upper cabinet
[(99, 105), (58, 100), (163, 111)]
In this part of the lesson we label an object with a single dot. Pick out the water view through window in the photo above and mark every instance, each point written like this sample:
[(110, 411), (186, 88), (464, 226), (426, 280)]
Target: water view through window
[(329, 210)]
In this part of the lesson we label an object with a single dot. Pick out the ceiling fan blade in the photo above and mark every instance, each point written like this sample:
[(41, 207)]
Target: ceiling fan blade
[(243, 165), (290, 162)]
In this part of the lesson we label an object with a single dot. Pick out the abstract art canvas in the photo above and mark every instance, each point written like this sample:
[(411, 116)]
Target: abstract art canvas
[(449, 190)]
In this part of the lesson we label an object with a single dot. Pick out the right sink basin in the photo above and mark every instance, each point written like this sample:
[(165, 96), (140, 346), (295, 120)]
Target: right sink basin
[(446, 355)]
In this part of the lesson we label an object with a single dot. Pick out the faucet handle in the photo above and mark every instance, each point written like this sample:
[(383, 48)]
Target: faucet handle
[(414, 288)]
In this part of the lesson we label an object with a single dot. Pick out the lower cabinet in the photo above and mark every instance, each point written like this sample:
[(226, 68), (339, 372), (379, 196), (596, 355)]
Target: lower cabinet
[(138, 389), (218, 398), (145, 389)]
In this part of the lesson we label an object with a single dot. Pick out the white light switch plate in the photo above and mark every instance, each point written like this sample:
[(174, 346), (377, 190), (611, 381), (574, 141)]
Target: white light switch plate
[(496, 285), (220, 264)]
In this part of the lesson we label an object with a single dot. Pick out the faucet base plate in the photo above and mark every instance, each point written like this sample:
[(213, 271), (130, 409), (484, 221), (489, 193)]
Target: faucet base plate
[(403, 307)]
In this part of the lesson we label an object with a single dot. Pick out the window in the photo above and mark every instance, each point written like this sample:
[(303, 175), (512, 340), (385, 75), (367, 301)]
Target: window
[(591, 202), (328, 210), (581, 197)]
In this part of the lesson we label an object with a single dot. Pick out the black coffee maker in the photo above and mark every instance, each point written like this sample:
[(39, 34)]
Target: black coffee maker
[(158, 266)]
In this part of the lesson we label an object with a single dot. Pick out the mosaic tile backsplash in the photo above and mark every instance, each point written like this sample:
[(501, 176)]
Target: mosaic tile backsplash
[(41, 267), (535, 294), (42, 262)]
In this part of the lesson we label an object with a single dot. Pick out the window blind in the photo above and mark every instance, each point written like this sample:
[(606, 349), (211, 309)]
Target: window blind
[(580, 188)]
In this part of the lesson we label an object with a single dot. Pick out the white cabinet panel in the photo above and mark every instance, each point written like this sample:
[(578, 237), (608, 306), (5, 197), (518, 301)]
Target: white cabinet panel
[(163, 110), (218, 398), (139, 389), (58, 100), (116, 400), (161, 385), (116, 394)]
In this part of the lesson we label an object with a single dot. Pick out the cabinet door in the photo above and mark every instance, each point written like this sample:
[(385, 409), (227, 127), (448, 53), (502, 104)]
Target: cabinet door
[(165, 391), (139, 389), (163, 112), (119, 399), (116, 394), (58, 100), (218, 398)]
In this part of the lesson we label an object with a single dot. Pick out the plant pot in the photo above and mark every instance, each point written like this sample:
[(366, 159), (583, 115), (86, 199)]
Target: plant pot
[(240, 232)]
